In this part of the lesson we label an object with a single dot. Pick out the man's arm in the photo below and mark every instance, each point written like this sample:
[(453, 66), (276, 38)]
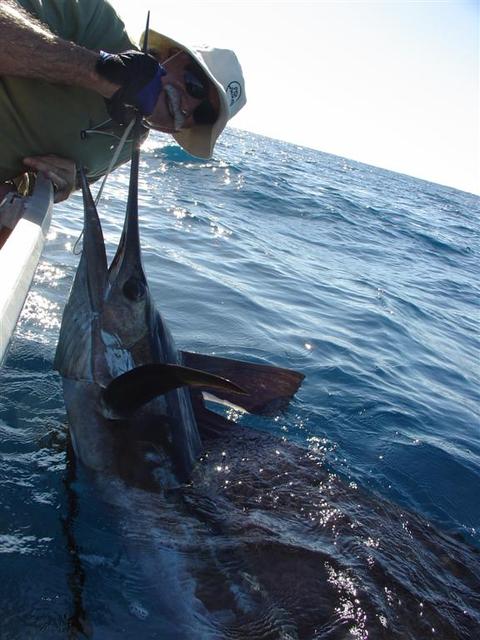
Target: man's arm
[(29, 50)]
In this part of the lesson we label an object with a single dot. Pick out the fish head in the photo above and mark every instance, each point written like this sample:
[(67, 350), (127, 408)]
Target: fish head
[(127, 309)]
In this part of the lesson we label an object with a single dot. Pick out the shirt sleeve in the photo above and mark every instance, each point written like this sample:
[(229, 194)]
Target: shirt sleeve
[(93, 24)]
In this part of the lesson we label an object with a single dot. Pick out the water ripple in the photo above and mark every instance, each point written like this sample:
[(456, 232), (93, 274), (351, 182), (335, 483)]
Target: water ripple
[(367, 282)]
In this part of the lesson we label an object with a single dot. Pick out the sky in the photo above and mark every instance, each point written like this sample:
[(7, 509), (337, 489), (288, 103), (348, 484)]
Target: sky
[(390, 83)]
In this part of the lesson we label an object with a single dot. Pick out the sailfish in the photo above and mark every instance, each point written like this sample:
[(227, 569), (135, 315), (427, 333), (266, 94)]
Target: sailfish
[(135, 402)]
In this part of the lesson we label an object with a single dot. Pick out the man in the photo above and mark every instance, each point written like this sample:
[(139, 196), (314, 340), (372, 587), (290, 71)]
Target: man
[(63, 101)]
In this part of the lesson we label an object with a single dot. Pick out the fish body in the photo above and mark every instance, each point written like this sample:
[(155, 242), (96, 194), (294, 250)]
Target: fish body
[(133, 401)]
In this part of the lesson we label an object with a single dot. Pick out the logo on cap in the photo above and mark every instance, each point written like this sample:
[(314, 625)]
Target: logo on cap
[(234, 89)]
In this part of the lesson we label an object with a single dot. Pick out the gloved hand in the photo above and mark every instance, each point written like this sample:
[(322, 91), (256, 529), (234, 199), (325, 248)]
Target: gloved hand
[(140, 77)]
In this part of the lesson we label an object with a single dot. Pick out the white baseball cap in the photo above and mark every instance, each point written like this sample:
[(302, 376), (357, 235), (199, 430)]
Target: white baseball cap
[(224, 72)]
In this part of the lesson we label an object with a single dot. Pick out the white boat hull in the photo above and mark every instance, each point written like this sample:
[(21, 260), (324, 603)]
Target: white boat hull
[(19, 258)]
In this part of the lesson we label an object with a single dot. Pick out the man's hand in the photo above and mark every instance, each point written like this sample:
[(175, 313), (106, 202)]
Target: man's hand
[(61, 171), (140, 78)]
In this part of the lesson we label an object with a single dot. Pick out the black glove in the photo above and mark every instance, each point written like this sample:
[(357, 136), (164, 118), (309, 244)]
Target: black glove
[(140, 77)]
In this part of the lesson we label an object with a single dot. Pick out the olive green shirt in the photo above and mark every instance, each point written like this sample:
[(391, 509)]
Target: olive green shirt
[(39, 118)]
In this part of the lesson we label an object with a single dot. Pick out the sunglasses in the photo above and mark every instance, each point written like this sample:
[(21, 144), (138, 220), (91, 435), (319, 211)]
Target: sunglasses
[(196, 85)]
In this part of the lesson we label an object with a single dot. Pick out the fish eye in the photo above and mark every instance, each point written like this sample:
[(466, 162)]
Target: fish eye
[(134, 289)]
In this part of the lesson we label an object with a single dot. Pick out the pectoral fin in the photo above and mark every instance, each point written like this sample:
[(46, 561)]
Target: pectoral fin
[(136, 387), (266, 388)]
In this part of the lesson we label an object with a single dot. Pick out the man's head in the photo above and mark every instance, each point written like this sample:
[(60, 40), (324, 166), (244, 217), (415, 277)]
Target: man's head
[(188, 98), (203, 89)]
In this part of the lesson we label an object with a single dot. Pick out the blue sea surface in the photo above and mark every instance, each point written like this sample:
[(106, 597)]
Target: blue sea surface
[(364, 280)]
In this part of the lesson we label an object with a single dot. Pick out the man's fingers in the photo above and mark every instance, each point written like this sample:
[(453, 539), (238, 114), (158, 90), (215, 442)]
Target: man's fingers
[(61, 166), (60, 171), (62, 188), (37, 164), (49, 160)]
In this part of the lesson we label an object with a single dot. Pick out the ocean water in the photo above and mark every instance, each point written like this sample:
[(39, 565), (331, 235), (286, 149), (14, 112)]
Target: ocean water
[(353, 514)]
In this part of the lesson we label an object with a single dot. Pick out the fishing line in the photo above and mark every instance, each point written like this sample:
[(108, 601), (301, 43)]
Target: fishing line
[(114, 159), (137, 120), (76, 251)]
